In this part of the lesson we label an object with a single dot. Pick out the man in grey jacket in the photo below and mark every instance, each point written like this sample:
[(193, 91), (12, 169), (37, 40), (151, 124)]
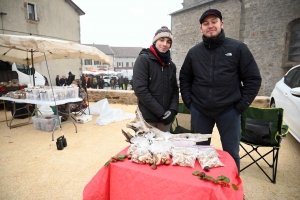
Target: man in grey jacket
[(219, 79)]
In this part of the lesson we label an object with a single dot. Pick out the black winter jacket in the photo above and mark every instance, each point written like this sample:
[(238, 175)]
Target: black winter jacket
[(211, 75), (155, 86)]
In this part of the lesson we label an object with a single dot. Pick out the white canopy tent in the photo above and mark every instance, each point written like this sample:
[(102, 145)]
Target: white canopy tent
[(31, 49), (28, 50)]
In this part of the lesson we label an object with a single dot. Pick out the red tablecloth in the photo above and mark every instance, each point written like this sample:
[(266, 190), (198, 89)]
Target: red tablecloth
[(132, 181)]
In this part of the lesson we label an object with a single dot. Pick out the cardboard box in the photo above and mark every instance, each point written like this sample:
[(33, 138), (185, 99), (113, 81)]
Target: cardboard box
[(84, 119)]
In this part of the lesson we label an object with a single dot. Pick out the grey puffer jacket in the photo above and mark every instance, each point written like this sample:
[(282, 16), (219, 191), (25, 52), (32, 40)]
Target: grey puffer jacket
[(155, 86), (211, 76)]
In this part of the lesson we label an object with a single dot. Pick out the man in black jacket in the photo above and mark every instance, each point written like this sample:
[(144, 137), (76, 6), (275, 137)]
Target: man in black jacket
[(219, 79), (154, 77), (57, 80)]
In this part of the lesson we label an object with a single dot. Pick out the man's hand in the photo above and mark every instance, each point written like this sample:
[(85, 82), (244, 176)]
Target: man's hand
[(168, 117)]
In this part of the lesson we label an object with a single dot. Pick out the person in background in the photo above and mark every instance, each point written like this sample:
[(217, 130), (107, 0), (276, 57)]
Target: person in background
[(113, 83), (121, 81), (131, 83), (62, 80), (101, 82), (94, 82), (46, 81), (83, 82), (71, 78), (88, 81), (125, 82), (210, 83), (154, 77), (57, 80)]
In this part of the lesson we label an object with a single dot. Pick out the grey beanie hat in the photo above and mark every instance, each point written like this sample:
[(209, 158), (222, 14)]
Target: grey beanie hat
[(162, 32)]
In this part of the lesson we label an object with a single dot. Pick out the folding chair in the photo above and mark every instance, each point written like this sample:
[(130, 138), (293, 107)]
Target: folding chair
[(81, 108), (184, 117), (262, 127)]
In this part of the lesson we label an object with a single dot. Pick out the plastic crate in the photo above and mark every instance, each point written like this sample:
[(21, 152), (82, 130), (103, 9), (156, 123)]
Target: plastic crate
[(32, 94), (59, 94), (44, 95), (72, 92), (45, 123)]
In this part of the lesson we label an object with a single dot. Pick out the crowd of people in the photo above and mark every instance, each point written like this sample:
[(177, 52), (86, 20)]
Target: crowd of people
[(96, 82), (64, 81)]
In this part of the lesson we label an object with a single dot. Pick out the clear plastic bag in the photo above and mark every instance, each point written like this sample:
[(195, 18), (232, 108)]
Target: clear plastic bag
[(207, 152), (161, 152), (184, 156), (142, 155), (209, 157), (211, 162)]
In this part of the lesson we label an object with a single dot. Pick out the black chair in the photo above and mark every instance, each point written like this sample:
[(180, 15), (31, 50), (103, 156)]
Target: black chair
[(262, 128)]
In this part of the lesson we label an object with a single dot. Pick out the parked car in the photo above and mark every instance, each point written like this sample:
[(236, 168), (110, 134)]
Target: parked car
[(286, 95), (107, 80)]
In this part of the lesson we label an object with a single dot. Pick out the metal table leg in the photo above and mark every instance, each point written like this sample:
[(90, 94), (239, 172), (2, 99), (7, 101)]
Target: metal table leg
[(4, 108), (14, 115), (60, 123)]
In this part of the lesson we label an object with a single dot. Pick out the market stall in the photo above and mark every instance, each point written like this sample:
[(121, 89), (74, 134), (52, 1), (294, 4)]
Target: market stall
[(161, 165), (128, 180)]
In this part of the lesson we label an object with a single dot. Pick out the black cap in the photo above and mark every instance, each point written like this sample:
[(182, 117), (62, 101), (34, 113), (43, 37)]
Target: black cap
[(210, 12)]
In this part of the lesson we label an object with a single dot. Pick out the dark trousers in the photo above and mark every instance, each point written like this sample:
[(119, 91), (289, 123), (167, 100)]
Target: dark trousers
[(160, 126), (229, 127)]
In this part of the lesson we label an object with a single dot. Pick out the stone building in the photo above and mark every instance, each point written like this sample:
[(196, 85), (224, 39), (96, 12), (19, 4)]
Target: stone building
[(270, 28), (56, 19)]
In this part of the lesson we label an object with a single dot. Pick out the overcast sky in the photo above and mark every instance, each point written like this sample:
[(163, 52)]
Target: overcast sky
[(124, 23)]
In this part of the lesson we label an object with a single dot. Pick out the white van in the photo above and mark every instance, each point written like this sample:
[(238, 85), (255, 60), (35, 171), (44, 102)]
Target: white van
[(107, 80), (128, 73), (25, 76)]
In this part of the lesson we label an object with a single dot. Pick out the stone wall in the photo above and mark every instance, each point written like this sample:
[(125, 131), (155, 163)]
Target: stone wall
[(113, 96), (128, 97), (261, 24)]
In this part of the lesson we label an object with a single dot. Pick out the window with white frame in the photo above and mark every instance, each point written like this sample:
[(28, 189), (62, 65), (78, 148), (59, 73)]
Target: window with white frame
[(87, 62), (127, 64), (132, 64), (31, 11), (119, 64), (96, 62)]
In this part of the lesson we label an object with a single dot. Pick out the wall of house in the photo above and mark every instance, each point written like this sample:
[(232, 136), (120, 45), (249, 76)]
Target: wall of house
[(124, 60), (265, 32), (261, 24), (56, 19)]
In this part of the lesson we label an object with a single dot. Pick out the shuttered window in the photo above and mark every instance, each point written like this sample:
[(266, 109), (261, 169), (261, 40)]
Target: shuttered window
[(294, 48)]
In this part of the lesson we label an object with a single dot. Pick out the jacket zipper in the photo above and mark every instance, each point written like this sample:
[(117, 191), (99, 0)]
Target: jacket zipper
[(162, 91), (211, 71)]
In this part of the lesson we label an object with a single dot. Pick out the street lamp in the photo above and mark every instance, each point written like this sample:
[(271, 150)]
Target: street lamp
[(2, 13)]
